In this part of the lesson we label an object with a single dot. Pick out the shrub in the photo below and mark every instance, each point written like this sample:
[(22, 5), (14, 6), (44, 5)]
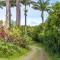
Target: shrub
[(15, 36)]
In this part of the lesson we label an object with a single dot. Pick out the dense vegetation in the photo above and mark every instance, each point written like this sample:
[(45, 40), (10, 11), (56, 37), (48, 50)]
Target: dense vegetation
[(12, 43), (8, 50), (50, 35), (15, 39)]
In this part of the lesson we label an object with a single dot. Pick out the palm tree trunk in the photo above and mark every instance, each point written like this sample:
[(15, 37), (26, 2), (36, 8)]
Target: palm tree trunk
[(42, 17), (18, 12), (8, 14), (25, 20), (25, 16), (43, 28)]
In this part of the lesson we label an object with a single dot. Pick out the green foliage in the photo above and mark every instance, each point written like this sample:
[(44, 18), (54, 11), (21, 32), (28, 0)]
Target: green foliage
[(3, 3), (16, 37), (8, 50), (41, 5), (31, 32), (50, 36), (26, 2)]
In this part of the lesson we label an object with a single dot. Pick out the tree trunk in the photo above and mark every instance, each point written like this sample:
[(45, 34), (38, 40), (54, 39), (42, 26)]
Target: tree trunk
[(25, 16), (42, 17), (43, 25), (8, 14), (25, 20), (18, 12)]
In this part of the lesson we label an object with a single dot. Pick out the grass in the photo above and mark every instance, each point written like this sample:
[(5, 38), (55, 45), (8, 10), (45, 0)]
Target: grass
[(10, 51)]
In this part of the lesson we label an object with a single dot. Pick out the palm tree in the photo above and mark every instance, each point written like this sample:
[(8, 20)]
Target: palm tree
[(18, 12), (8, 14), (41, 5), (8, 4), (25, 3)]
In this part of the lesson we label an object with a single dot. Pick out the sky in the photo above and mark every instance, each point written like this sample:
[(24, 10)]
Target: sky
[(33, 16)]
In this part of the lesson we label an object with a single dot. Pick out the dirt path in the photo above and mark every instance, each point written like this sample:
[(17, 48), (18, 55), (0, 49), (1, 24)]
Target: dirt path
[(42, 54), (35, 54)]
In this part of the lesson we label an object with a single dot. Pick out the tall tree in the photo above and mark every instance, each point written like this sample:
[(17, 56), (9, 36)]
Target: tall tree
[(18, 12), (8, 13), (41, 5), (25, 3), (12, 3)]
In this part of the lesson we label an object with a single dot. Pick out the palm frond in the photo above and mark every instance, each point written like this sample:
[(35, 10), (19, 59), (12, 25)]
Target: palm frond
[(2, 3), (1, 7), (35, 6), (47, 2), (48, 8), (40, 2), (41, 5), (27, 2)]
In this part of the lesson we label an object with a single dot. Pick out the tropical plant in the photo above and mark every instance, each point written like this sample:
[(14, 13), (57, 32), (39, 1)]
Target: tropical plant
[(12, 3), (41, 5), (51, 38), (1, 4), (25, 3)]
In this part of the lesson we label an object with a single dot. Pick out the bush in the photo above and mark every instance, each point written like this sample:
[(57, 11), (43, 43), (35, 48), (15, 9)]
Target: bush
[(51, 39), (15, 36)]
